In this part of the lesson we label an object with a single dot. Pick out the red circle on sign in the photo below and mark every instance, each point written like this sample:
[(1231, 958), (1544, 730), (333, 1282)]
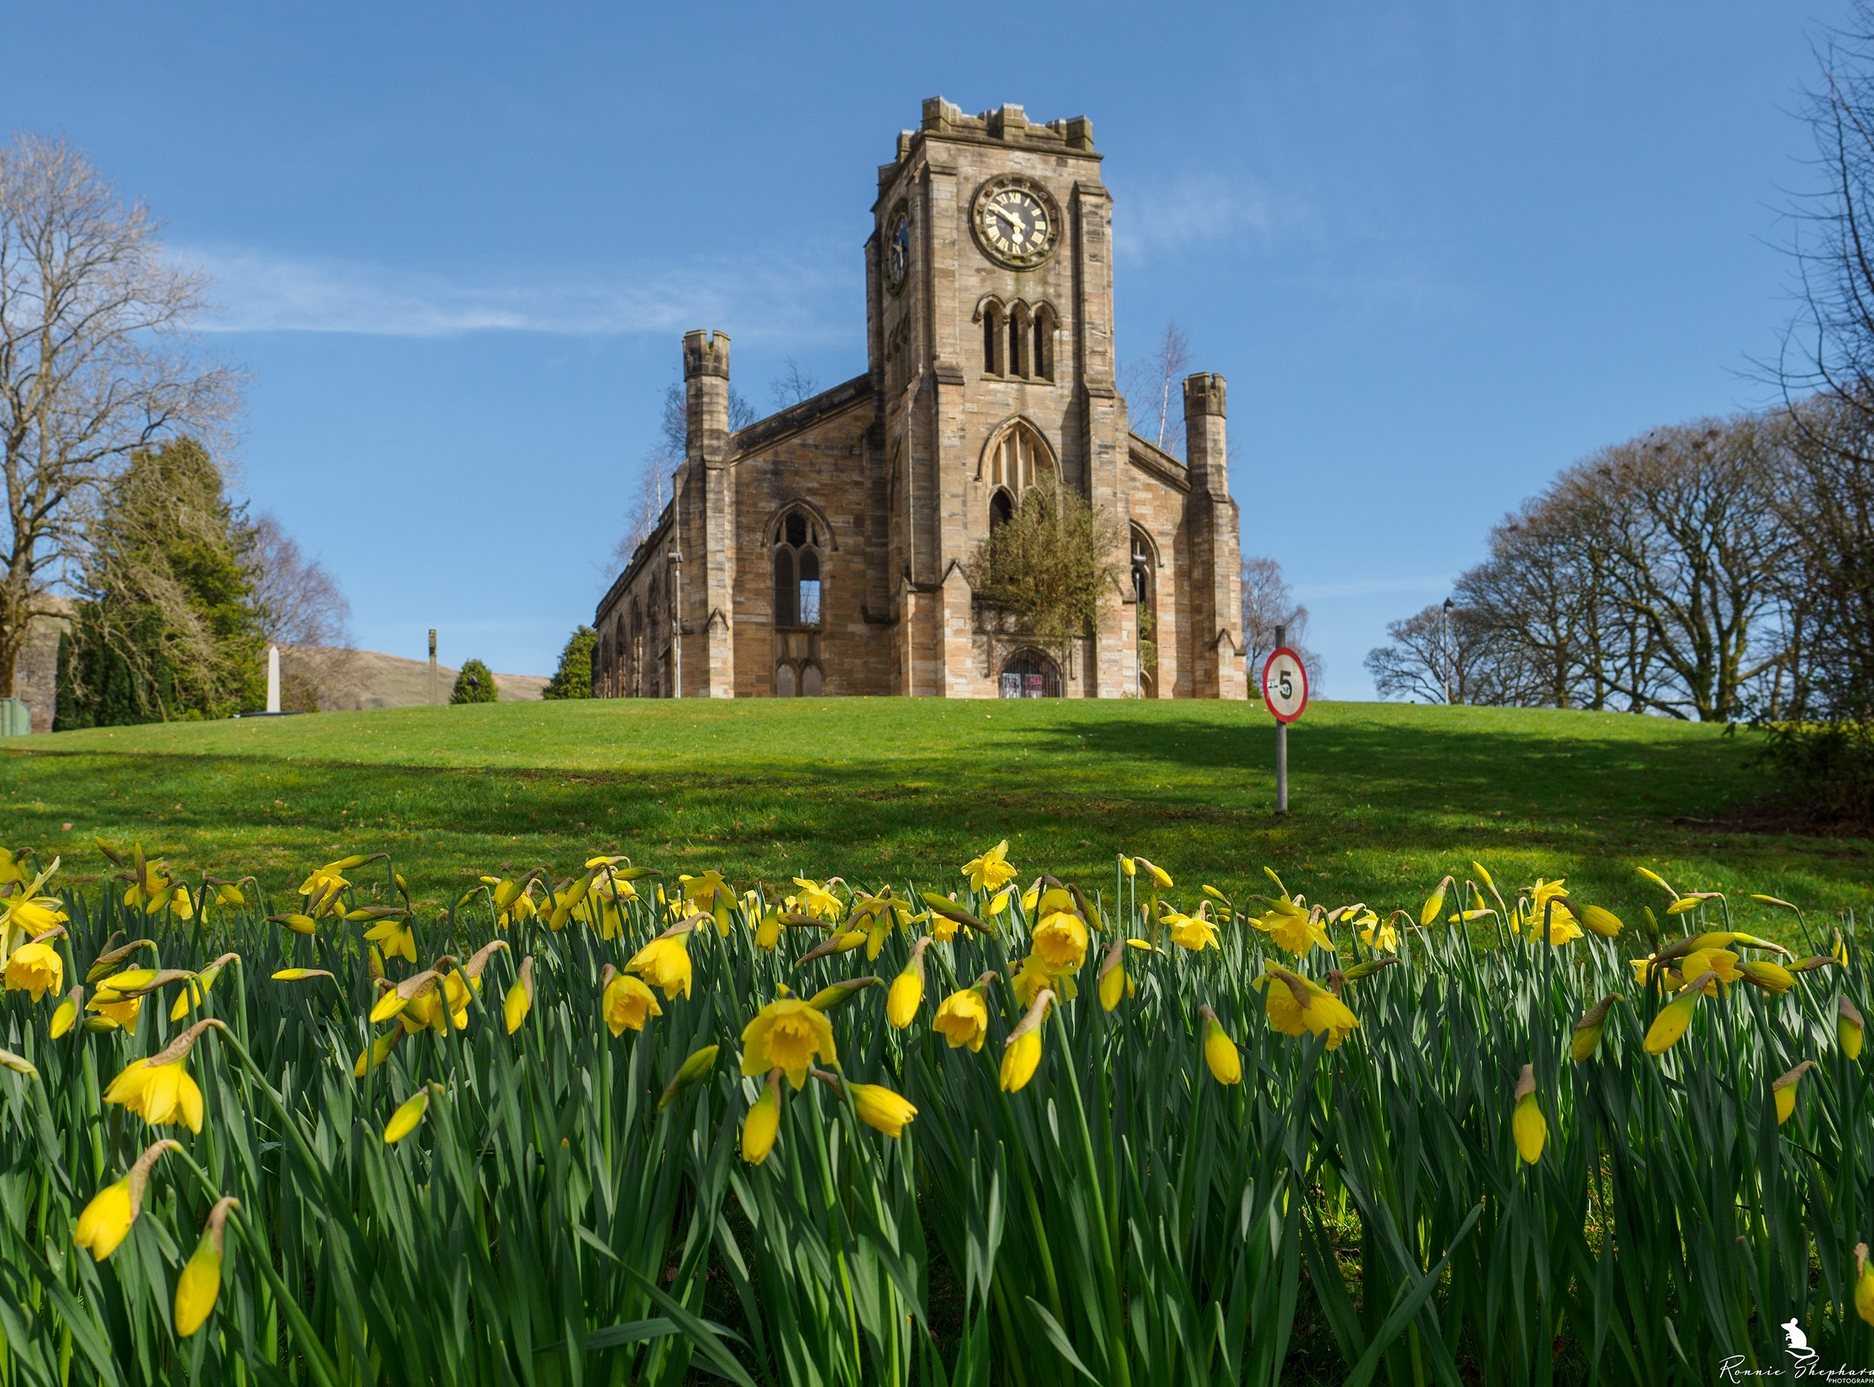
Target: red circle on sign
[(1276, 706)]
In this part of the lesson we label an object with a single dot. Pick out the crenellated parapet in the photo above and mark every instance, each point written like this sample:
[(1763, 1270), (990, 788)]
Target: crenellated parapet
[(1007, 125)]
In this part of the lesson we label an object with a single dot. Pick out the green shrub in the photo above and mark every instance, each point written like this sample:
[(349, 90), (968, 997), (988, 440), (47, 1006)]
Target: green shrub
[(475, 684), (573, 679)]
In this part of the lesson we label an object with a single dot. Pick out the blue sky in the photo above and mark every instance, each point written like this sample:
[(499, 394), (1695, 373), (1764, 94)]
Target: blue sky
[(1440, 250)]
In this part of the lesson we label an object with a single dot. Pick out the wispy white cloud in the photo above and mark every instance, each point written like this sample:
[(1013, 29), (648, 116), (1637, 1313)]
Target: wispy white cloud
[(1368, 587), (1189, 211), (260, 291)]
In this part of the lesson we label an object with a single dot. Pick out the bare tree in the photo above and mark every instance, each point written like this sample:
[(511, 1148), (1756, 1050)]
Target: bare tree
[(299, 600), (795, 383), (95, 363), (661, 460), (1152, 390), (1438, 655), (1269, 602)]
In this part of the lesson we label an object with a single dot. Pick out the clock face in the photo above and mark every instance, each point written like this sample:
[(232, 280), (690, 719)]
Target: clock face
[(1016, 222), (898, 252)]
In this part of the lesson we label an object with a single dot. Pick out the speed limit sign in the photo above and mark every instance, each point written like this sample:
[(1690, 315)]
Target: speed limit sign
[(1284, 685)]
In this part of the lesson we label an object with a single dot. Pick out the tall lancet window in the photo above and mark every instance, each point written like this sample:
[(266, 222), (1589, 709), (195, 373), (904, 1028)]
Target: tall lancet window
[(799, 607)]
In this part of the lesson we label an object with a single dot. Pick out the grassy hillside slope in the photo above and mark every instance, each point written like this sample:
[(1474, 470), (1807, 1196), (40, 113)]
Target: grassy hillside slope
[(1387, 798)]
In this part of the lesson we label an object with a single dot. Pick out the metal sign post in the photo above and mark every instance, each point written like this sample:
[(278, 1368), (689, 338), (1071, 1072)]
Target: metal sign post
[(1285, 695)]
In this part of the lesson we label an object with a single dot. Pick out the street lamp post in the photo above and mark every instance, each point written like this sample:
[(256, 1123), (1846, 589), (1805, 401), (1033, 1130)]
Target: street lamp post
[(1446, 651)]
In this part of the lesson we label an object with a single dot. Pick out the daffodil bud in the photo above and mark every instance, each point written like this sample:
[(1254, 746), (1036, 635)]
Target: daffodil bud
[(837, 994), (404, 1120), (1527, 1124), (763, 1122), (907, 989), (1675, 1016), (1434, 903), (105, 1221), (1114, 984), (881, 1109), (1771, 977), (693, 1069), (1226, 1065), (1587, 1035), (1021, 1052), (66, 1013), (1599, 921), (376, 1052), (1863, 1284), (1127, 866), (199, 1286), (19, 1064), (520, 998), (1849, 1028), (1784, 1091)]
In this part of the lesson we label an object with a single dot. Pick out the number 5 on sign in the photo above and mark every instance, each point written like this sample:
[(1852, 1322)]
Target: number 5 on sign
[(1284, 685), (1285, 695)]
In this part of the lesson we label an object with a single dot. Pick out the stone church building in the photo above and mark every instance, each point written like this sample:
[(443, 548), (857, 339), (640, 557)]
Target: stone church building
[(822, 550)]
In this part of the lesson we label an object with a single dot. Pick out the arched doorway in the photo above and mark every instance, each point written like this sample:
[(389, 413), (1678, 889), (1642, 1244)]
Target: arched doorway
[(1029, 674)]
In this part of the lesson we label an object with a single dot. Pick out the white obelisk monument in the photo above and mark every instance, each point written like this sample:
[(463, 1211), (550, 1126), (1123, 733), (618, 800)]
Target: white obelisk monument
[(273, 679)]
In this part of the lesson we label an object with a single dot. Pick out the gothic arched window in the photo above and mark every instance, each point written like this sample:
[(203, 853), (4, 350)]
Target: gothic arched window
[(1019, 458), (1042, 362), (1020, 364), (1145, 596), (991, 314), (1030, 674), (797, 571)]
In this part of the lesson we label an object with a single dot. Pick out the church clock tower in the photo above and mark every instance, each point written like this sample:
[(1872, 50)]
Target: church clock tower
[(990, 313)]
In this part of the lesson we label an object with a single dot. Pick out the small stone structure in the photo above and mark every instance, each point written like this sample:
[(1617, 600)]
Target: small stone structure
[(822, 550)]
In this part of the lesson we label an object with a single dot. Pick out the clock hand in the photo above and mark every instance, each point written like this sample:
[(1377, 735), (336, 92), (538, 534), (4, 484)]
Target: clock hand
[(1009, 217)]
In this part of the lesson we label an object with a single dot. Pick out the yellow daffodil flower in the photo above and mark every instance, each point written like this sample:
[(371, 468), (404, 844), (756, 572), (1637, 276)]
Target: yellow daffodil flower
[(665, 963), (963, 1017), (817, 899), (625, 1002), (35, 967), (1060, 937), (787, 1035), (991, 870), (65, 1014), (1863, 1284), (159, 1088), (1720, 963), (1296, 1004)]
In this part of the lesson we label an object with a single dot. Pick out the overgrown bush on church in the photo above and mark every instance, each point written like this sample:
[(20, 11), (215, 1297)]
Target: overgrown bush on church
[(167, 625), (573, 679), (1043, 571), (475, 684)]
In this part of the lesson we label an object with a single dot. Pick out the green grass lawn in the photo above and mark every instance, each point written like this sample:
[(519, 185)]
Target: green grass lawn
[(1386, 798)]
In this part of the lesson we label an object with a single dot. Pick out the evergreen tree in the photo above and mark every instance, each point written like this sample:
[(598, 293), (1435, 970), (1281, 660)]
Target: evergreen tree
[(474, 685), (167, 625), (573, 679)]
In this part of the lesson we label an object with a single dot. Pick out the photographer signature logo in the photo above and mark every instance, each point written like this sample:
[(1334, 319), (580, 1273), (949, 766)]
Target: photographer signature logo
[(1803, 1363), (1798, 1345)]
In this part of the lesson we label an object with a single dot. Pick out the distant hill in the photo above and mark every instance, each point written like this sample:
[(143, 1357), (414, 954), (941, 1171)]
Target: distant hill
[(353, 679)]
